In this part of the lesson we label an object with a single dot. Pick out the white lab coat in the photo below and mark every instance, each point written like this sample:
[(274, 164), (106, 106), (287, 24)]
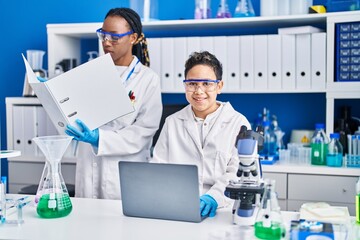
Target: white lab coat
[(217, 161), (127, 138)]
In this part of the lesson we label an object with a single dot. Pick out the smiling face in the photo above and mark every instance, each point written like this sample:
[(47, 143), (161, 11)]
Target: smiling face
[(121, 50), (203, 103)]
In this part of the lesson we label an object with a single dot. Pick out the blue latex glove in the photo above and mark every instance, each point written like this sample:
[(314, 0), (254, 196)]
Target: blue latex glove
[(41, 79), (86, 135), (208, 205)]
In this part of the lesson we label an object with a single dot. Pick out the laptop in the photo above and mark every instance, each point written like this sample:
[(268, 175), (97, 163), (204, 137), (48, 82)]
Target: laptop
[(160, 191)]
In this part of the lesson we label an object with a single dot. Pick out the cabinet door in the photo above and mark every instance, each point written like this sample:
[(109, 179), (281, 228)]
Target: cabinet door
[(280, 183), (321, 188), (280, 187)]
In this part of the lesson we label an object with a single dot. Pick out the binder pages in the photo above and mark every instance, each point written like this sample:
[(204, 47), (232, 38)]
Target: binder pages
[(91, 92)]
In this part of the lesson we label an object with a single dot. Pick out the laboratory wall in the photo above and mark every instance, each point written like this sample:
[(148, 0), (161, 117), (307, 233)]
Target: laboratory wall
[(23, 25)]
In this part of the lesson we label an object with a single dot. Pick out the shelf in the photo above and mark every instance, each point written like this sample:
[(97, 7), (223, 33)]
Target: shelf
[(264, 91), (9, 153), (347, 90), (40, 159), (22, 101), (87, 30)]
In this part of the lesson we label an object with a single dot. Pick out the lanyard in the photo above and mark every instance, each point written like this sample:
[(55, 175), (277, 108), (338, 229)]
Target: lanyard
[(132, 70)]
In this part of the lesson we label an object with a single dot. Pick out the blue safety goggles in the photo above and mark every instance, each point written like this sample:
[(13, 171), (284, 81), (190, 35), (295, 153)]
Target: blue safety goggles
[(206, 85), (112, 37), (201, 80)]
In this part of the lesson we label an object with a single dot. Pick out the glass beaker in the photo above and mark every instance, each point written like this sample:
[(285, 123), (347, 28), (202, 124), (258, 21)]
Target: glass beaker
[(35, 59), (52, 196)]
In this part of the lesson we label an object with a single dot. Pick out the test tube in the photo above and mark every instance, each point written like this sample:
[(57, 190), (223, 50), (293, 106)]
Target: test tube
[(354, 145), (3, 202), (19, 206)]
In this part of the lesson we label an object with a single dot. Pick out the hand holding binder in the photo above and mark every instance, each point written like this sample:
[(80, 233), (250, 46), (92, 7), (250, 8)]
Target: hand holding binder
[(96, 96), (86, 135)]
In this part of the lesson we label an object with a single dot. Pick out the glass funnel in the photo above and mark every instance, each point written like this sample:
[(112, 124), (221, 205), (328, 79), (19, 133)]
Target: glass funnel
[(52, 197), (269, 224)]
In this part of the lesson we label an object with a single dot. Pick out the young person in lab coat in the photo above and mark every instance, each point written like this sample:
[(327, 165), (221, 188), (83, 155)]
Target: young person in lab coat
[(204, 132), (129, 137)]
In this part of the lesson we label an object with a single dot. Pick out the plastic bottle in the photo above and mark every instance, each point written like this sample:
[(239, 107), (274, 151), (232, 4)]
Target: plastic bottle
[(357, 201), (319, 143), (269, 141), (279, 134), (357, 132), (343, 129), (334, 156)]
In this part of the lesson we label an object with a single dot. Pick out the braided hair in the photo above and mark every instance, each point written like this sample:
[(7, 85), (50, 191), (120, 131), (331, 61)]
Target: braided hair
[(140, 49)]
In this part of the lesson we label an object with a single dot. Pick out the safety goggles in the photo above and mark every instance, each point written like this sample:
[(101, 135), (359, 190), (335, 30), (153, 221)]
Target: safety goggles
[(206, 85), (112, 37)]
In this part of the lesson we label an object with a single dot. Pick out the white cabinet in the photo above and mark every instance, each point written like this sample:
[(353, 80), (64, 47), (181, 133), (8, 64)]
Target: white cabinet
[(335, 190), (26, 119), (298, 184)]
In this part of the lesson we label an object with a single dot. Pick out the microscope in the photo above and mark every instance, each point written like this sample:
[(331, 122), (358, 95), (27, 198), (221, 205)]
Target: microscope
[(247, 191)]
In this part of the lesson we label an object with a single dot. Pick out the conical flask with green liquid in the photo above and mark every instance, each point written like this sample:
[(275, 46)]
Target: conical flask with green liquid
[(52, 197)]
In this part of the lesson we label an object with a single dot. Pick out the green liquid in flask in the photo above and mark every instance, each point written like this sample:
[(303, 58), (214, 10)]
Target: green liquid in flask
[(62, 208), (276, 231)]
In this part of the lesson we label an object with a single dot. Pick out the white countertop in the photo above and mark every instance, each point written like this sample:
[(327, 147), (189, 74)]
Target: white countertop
[(103, 219), (310, 169)]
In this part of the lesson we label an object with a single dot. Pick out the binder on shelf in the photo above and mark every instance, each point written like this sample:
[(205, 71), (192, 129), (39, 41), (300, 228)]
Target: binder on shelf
[(288, 63), (154, 45), (180, 57), (45, 127), (18, 128), (167, 65), (30, 131), (247, 62), (318, 61), (232, 79), (220, 51), (303, 61), (192, 45), (92, 92), (274, 62), (207, 44), (260, 62)]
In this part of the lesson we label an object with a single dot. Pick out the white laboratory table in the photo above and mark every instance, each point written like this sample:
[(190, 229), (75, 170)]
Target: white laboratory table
[(103, 219)]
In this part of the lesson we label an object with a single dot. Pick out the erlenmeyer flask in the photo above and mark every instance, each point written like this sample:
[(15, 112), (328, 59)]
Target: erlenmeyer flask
[(244, 8), (269, 224), (52, 197)]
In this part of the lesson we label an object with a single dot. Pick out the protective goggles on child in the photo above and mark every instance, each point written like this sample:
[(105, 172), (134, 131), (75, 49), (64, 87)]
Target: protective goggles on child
[(206, 85), (112, 37)]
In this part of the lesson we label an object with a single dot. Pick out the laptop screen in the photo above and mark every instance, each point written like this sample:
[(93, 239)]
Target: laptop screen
[(161, 191)]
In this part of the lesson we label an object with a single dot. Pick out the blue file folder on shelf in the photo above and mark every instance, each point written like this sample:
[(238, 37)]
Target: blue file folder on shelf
[(92, 92)]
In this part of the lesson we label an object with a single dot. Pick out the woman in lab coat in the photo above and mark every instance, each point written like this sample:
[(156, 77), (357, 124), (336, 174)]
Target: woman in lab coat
[(204, 132), (129, 137)]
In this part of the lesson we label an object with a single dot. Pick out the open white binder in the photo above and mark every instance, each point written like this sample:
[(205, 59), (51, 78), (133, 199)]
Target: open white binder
[(92, 92)]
